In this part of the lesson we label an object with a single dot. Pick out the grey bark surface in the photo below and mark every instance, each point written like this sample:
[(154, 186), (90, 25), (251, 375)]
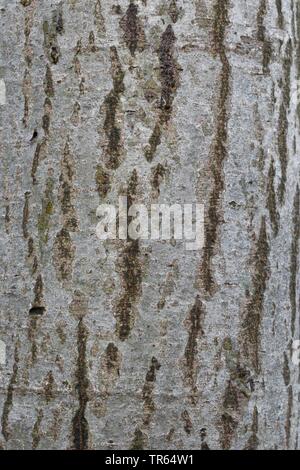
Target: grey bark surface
[(145, 345)]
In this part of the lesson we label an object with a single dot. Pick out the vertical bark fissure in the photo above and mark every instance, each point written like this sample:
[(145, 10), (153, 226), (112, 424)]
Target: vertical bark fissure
[(169, 77), (134, 36), (261, 35), (8, 404), (130, 268), (283, 122), (294, 260), (255, 303), (112, 104), (219, 151), (194, 323), (80, 423)]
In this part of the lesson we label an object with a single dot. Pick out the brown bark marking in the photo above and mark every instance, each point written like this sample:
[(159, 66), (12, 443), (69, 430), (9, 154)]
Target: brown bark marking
[(25, 215), (41, 148), (47, 116), (28, 55), (154, 142), (294, 259), (46, 211), (169, 285), (112, 359), (134, 36), (194, 323), (32, 328), (48, 83), (51, 30), (158, 174), (253, 442), (75, 118), (99, 19), (102, 179), (79, 305), (8, 404), (32, 258), (271, 200), (76, 61), (109, 372), (55, 428), (261, 35), (129, 265), (169, 72), (280, 14), (58, 20), (38, 302), (228, 421), (283, 119), (66, 190), (202, 18), (147, 393), (259, 131), (25, 3), (219, 151), (286, 370), (64, 255), (79, 423), (188, 425), (174, 11), (49, 387), (77, 66), (139, 441), (36, 436), (92, 43), (254, 310), (236, 397), (113, 144), (35, 313), (26, 88), (39, 154)]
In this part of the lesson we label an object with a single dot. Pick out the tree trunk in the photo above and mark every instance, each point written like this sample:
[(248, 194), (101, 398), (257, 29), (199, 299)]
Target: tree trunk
[(142, 344)]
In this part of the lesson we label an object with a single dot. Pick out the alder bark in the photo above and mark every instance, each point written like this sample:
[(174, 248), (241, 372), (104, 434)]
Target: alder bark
[(143, 344)]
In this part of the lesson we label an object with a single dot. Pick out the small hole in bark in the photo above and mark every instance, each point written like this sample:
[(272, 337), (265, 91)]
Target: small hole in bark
[(37, 311), (34, 135)]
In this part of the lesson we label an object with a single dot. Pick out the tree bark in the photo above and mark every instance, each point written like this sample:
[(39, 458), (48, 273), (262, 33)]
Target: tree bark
[(143, 344)]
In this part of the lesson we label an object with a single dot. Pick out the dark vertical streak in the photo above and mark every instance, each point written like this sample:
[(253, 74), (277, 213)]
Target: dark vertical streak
[(271, 200), (279, 12), (294, 259), (149, 405), (25, 215), (254, 309), (133, 32), (253, 441), (80, 424), (195, 330), (131, 274), (283, 120), (169, 84), (8, 404), (261, 35), (36, 437), (219, 151), (112, 130)]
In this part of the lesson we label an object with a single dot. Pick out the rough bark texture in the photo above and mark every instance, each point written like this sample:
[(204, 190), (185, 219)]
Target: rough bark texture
[(141, 344)]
